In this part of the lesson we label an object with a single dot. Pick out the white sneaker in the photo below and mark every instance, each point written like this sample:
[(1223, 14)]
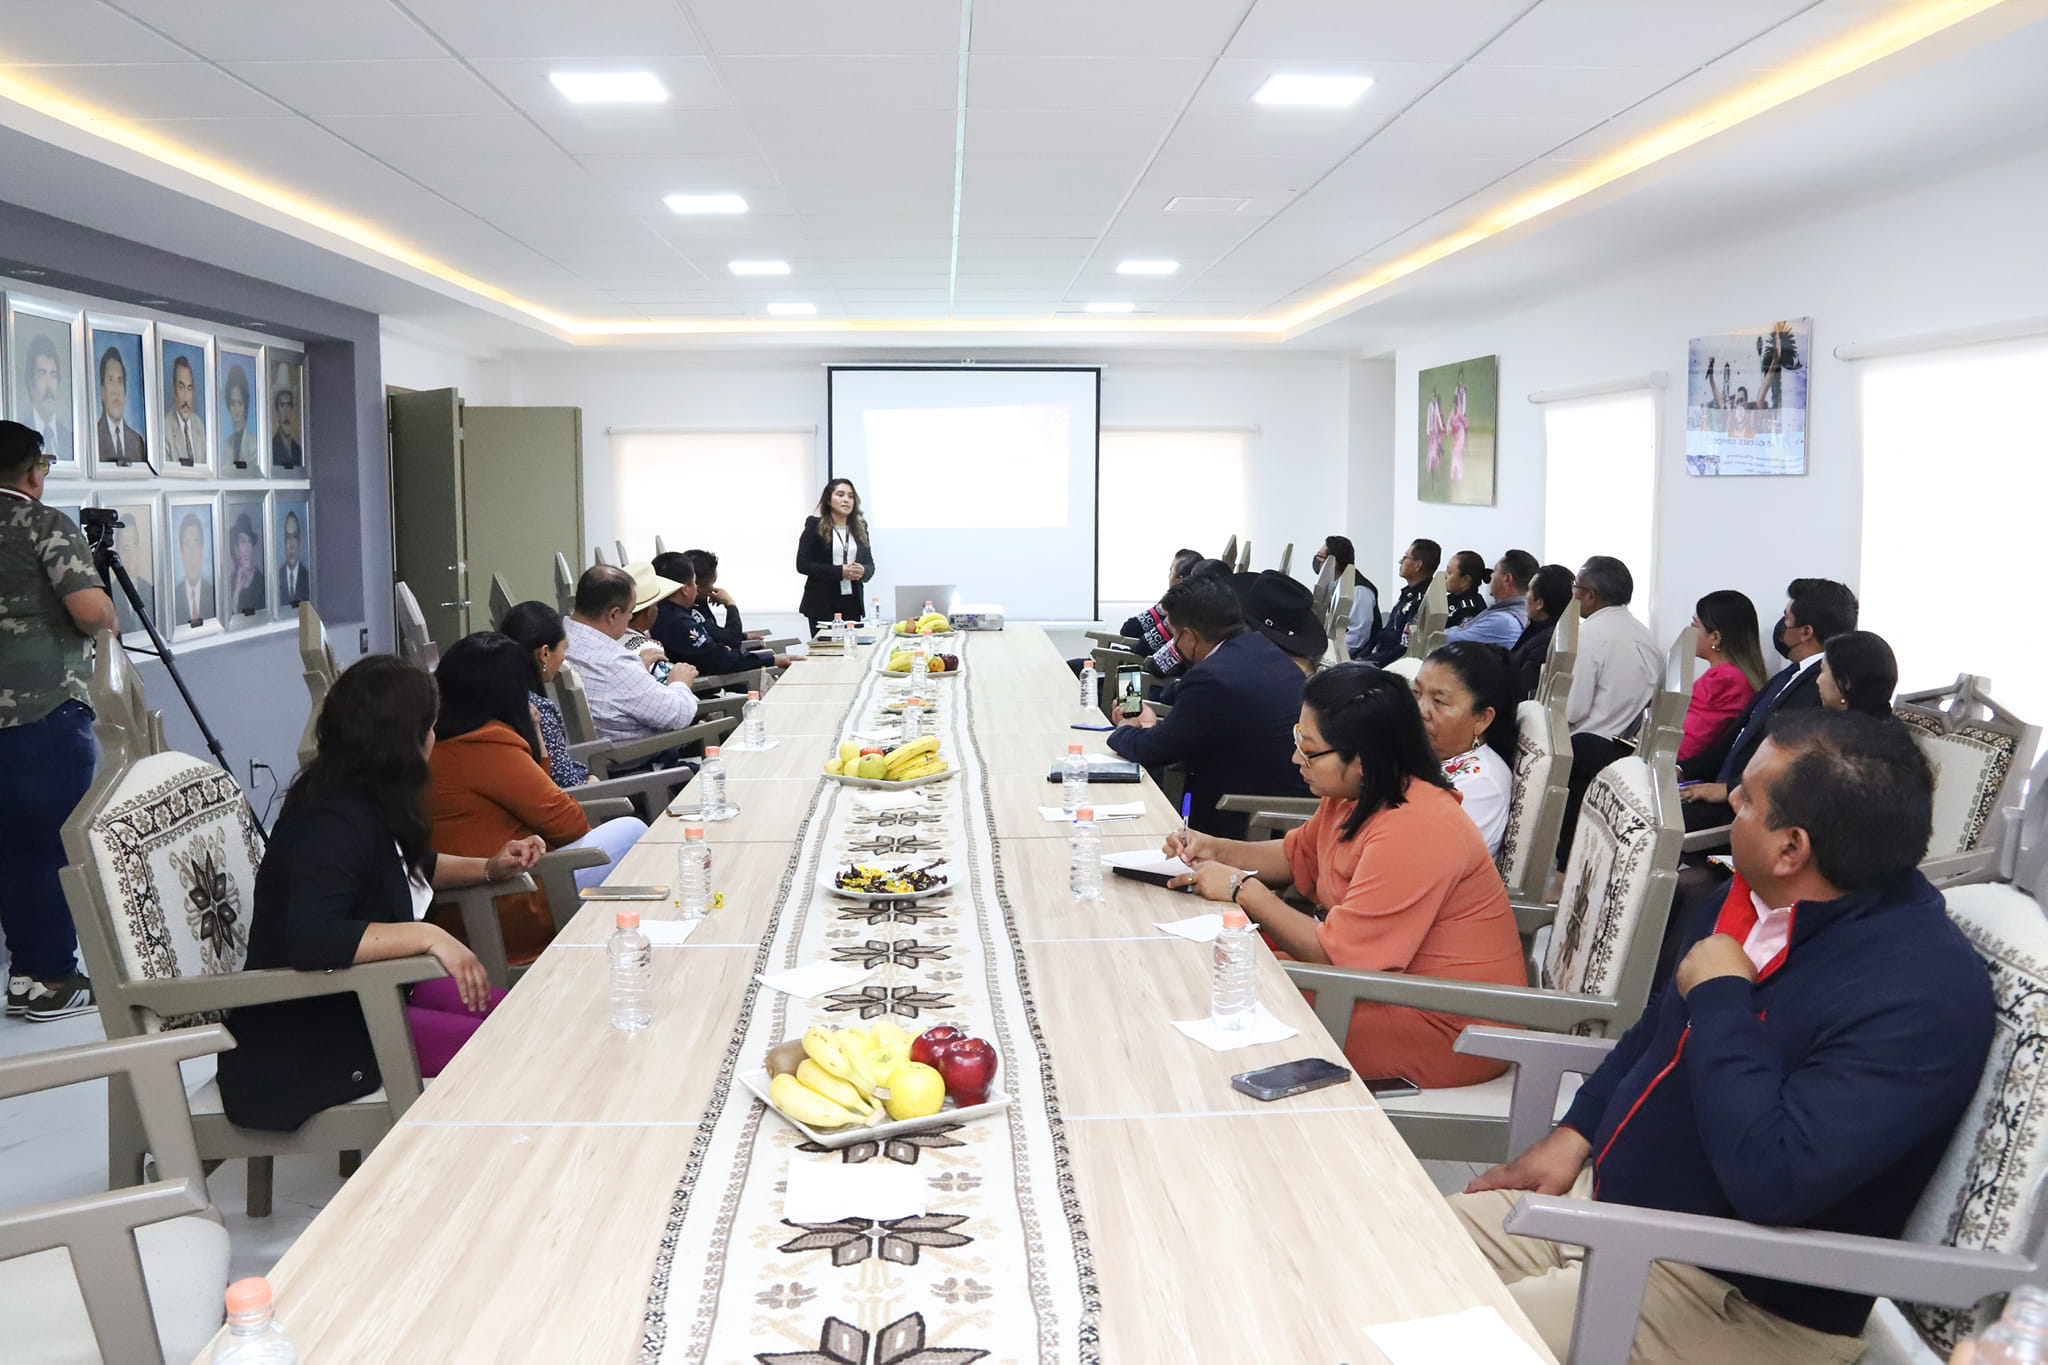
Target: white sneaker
[(58, 999), (17, 994)]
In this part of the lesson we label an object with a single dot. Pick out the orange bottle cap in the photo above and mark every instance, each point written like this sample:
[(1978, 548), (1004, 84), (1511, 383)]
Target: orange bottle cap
[(1085, 813), (627, 919), (1073, 748), (248, 1296), (693, 831), (1234, 917), (753, 696), (711, 751)]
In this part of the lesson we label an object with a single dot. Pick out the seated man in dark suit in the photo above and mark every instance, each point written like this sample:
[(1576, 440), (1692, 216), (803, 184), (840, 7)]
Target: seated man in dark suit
[(1232, 723), (1550, 592), (682, 630), (1817, 610), (1418, 566)]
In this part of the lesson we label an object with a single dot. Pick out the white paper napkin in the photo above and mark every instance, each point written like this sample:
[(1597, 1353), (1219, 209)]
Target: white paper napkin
[(762, 748), (1263, 1028), (1103, 811), (1146, 860), (668, 933), (879, 801), (813, 979), (1476, 1336), (1199, 928), (825, 1189)]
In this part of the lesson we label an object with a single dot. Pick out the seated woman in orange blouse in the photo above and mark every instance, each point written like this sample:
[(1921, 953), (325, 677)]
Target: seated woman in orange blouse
[(1401, 872)]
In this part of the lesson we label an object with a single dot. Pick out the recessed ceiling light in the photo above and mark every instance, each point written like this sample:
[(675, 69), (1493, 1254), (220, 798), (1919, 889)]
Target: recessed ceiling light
[(705, 203), (1110, 307), (1147, 267), (792, 310), (1206, 203), (758, 267), (609, 87), (1312, 92)]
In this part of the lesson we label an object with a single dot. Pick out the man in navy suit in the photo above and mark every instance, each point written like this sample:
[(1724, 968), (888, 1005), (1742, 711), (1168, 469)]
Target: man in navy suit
[(1232, 722), (1817, 610)]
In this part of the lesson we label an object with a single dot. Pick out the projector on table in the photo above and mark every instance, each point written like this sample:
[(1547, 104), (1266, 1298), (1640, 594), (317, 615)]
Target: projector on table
[(966, 617)]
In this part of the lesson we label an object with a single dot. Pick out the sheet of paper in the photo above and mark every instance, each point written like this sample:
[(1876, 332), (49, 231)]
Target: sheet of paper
[(732, 748), (1199, 928), (669, 933), (826, 1189), (1263, 1028), (1476, 1336), (1146, 860), (1104, 810), (813, 979), (879, 801)]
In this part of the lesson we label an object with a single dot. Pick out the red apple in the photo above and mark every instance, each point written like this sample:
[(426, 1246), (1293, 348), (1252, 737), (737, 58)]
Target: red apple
[(929, 1045), (968, 1067)]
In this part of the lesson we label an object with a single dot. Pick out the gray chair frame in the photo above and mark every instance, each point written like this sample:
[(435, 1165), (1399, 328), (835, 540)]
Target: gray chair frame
[(565, 585), (414, 641), (1555, 679), (320, 672), (620, 546), (131, 1008), (1325, 587), (597, 556), (602, 754), (1431, 621), (1244, 556), (1287, 558), (98, 1230), (554, 874), (502, 600), (1229, 555)]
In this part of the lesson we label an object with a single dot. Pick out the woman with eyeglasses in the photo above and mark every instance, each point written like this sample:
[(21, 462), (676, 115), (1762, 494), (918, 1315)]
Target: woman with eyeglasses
[(1399, 872)]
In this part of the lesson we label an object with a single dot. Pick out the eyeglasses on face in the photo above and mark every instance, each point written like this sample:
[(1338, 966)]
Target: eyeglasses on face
[(1310, 755)]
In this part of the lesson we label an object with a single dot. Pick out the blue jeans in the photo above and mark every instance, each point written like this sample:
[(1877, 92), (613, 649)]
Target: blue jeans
[(44, 771)]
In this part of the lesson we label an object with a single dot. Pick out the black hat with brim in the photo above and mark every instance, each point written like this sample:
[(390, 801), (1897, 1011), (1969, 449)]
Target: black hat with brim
[(1282, 609)]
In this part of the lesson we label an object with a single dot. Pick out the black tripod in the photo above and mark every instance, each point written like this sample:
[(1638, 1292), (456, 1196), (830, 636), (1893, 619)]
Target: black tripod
[(98, 524)]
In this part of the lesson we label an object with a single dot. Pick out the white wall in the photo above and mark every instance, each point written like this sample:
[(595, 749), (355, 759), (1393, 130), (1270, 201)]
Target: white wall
[(1299, 402), (418, 359), (1951, 253)]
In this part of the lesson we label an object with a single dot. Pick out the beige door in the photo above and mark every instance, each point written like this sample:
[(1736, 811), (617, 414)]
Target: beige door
[(426, 507)]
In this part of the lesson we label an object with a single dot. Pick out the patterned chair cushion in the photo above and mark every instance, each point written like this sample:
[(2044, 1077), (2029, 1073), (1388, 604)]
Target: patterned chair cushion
[(1606, 882), (175, 851), (1971, 764), (1536, 762), (1980, 1196)]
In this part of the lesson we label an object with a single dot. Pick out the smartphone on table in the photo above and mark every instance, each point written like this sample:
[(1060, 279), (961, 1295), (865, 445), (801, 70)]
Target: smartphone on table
[(1130, 690), (625, 893), (1289, 1078)]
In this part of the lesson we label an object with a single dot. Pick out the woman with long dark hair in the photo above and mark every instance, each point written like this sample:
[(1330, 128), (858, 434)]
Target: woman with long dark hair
[(1401, 871), (349, 873), (1469, 715), (1729, 645), (833, 556), (1859, 672), (491, 781), (537, 628)]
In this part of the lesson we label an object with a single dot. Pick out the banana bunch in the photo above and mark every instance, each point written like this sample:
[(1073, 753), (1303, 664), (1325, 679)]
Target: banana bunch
[(900, 662), (828, 1080), (931, 623), (919, 758)]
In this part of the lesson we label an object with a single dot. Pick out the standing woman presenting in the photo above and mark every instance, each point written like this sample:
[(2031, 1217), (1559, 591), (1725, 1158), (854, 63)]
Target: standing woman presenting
[(834, 558)]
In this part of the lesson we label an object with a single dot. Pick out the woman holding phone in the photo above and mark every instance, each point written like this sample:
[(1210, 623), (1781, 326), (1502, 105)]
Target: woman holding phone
[(834, 558)]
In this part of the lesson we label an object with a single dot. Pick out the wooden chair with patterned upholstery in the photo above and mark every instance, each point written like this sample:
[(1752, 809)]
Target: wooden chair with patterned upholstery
[(162, 854), (1556, 676), (1980, 752), (415, 642), (318, 658)]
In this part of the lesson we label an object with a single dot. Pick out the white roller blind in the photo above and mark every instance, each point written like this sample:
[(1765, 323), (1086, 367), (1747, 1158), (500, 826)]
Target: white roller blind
[(1955, 477), (741, 495), (1162, 490), (1600, 486)]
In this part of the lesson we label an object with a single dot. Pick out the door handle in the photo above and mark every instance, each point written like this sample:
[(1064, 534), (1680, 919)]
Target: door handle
[(463, 603)]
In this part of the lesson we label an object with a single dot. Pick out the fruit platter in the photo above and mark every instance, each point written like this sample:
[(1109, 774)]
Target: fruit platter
[(842, 1086), (907, 765), (938, 665), (931, 623), (903, 882)]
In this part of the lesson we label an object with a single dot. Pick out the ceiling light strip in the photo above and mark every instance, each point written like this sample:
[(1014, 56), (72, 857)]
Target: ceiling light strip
[(959, 149)]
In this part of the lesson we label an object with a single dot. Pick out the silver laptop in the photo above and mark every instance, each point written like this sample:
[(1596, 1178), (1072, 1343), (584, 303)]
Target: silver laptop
[(910, 600)]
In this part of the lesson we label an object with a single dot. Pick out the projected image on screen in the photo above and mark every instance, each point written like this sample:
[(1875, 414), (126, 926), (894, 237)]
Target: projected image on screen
[(967, 467)]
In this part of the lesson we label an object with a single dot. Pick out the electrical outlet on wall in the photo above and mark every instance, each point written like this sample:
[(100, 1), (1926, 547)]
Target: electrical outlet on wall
[(363, 640)]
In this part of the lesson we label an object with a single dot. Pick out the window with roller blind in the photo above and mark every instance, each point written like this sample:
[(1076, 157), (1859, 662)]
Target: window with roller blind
[(1955, 474), (743, 495), (1160, 491), (1600, 486)]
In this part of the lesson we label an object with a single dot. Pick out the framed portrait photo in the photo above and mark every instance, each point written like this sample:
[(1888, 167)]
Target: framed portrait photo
[(245, 553), (238, 414), (191, 600), (42, 381), (286, 371), (184, 447), (137, 540), (292, 535), (117, 350)]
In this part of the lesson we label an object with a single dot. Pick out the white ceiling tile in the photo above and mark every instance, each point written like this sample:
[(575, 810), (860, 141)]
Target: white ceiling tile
[(1091, 28), (1036, 132), (1229, 88), (67, 31), (976, 220), (413, 86), (1628, 33), (691, 81), (1193, 229), (459, 135), (1234, 175), (884, 200), (162, 90), (842, 82), (256, 30), (1081, 83), (867, 229), (1046, 248), (1371, 31), (450, 173), (563, 33), (876, 172), (1500, 138), (1381, 183), (922, 133), (762, 27), (1262, 134), (1590, 93), (684, 173)]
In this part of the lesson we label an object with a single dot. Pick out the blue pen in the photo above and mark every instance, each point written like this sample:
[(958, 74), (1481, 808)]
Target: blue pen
[(1187, 807)]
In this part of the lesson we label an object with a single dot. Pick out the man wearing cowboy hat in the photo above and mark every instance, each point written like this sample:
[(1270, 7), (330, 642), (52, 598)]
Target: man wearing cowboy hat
[(626, 703), (1232, 722)]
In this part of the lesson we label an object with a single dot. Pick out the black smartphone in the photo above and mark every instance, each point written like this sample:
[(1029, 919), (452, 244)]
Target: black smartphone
[(1392, 1087), (1130, 691), (1289, 1078)]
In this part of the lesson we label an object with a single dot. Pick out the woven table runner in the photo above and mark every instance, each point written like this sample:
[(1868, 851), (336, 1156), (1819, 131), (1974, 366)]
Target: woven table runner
[(998, 1267)]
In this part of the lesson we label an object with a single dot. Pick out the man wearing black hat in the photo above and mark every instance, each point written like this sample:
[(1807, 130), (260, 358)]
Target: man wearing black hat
[(1232, 723)]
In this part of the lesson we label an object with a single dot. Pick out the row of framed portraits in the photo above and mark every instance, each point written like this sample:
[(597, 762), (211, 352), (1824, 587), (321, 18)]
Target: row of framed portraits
[(206, 564), (133, 398)]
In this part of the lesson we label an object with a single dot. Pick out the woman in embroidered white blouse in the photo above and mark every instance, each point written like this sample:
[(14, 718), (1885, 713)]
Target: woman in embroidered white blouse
[(1469, 712)]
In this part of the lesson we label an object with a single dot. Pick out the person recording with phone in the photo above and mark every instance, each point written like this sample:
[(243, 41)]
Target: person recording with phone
[(834, 557)]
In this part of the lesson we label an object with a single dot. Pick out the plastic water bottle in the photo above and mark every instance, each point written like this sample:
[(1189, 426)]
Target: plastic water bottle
[(1089, 696), (711, 784), (693, 874), (1084, 856), (920, 666), (1234, 985), (2020, 1336), (753, 725), (1073, 779), (632, 972), (255, 1337)]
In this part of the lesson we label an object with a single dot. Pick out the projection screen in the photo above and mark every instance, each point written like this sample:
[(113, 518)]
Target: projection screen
[(978, 476)]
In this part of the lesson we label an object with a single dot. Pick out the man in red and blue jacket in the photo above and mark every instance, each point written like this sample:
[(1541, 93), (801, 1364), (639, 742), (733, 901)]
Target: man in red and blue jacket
[(1804, 1066)]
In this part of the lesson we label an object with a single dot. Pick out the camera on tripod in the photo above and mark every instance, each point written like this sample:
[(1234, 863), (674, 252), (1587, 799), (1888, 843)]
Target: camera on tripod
[(99, 525)]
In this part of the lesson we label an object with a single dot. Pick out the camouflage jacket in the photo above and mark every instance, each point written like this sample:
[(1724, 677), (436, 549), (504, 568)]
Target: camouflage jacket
[(43, 658)]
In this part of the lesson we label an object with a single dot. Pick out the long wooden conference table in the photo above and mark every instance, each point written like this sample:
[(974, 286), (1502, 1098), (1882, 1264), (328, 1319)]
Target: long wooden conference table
[(567, 1192)]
